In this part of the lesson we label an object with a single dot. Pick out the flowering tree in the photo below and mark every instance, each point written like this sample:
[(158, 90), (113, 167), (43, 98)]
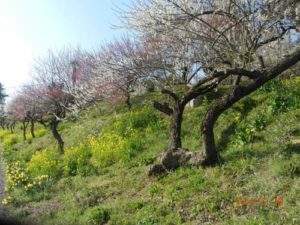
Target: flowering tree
[(234, 37), (52, 75), (18, 111), (167, 62), (25, 107), (122, 63), (91, 82)]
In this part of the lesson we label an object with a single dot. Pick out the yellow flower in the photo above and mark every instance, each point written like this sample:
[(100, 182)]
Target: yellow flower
[(4, 201)]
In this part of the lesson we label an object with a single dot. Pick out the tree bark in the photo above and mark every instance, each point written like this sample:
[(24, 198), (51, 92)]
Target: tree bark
[(128, 102), (176, 114), (237, 80), (41, 121), (24, 131), (53, 126), (32, 128), (176, 156), (234, 95), (24, 128), (12, 126), (175, 128), (207, 129)]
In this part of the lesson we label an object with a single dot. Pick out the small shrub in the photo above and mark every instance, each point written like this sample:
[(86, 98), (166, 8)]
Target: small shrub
[(259, 122), (124, 137), (112, 146), (147, 160), (283, 104), (290, 167), (134, 120), (287, 97), (142, 118), (37, 183), (150, 220), (271, 86), (134, 145), (155, 189), (107, 149), (245, 133), (279, 105), (3, 134), (138, 204), (76, 161), (96, 216), (19, 183), (88, 197), (242, 136), (22, 197), (15, 176), (40, 132), (44, 163), (248, 103), (10, 140)]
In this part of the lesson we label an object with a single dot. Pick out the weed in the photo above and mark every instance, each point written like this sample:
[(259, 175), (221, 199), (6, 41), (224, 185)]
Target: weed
[(96, 216)]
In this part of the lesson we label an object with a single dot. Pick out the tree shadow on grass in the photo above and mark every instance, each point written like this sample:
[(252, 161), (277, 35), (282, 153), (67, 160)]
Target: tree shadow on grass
[(225, 136), (293, 148), (248, 153), (247, 106)]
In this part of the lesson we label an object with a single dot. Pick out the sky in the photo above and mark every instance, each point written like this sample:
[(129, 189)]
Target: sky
[(28, 28)]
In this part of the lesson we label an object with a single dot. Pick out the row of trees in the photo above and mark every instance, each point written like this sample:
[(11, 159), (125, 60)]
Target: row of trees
[(199, 44)]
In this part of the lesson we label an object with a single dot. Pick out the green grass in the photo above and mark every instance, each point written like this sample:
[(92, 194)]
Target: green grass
[(260, 161)]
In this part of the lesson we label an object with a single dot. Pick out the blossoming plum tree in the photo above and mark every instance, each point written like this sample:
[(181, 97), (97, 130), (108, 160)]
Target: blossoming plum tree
[(52, 75)]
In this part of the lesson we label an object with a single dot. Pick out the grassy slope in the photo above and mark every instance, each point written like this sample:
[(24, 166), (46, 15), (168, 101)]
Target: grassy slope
[(265, 166)]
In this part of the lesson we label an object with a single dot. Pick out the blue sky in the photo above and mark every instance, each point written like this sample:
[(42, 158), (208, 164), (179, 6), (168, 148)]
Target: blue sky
[(30, 27)]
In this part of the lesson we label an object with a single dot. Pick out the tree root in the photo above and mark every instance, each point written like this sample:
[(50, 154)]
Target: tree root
[(174, 158)]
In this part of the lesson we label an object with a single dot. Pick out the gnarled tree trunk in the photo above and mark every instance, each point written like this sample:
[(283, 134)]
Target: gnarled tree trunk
[(175, 128), (32, 128), (12, 126), (128, 101), (207, 129), (24, 128), (238, 92), (41, 121), (53, 126), (176, 156)]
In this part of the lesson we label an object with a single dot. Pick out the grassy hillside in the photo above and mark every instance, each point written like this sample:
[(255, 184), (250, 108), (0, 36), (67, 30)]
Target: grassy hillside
[(102, 176)]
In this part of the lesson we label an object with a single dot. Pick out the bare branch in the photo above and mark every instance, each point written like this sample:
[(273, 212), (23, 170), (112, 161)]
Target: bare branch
[(172, 94), (163, 108)]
